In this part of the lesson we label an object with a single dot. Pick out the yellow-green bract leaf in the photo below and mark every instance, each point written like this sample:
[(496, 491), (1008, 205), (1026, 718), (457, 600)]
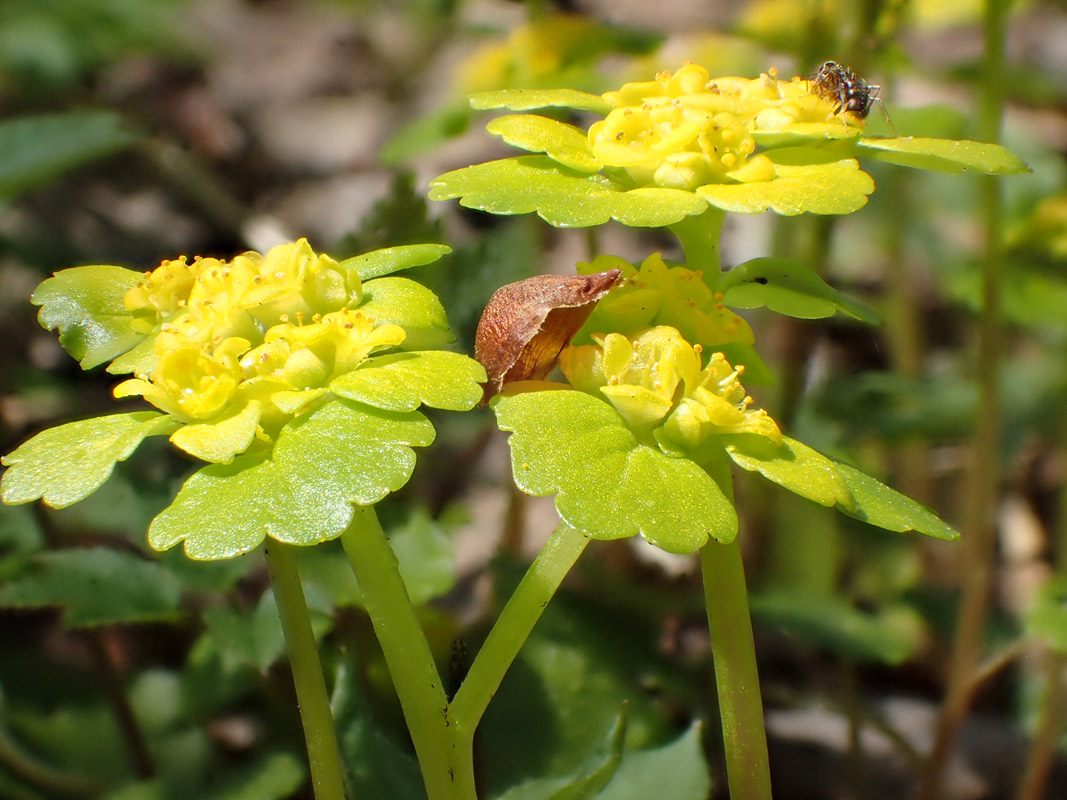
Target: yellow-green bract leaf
[(96, 586), (404, 381), (793, 466), (837, 187), (606, 483), (562, 197), (322, 463), (561, 142), (85, 305), (801, 134), (294, 402), (64, 464), (220, 441), (791, 288), (411, 306), (877, 504), (393, 259), (140, 359), (530, 99), (944, 155)]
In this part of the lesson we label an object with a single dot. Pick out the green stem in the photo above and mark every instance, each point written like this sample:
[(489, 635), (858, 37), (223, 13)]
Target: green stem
[(510, 632), (514, 625), (736, 676), (407, 654), (700, 237), (323, 754), (979, 542)]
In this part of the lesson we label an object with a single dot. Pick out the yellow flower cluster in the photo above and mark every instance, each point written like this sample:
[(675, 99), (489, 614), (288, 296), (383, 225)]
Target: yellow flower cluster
[(211, 299), (255, 330), (657, 384), (535, 51), (685, 130), (655, 293)]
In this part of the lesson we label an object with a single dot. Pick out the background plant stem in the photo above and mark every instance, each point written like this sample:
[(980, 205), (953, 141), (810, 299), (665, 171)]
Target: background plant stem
[(734, 654), (905, 331), (1053, 716), (979, 539), (323, 754), (1046, 736), (445, 773), (103, 648)]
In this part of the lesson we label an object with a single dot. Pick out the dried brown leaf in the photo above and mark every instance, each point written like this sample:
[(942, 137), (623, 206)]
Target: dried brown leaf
[(527, 324)]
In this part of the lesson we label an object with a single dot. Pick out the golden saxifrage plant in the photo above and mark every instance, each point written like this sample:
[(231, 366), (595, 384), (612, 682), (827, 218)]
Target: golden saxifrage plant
[(298, 379)]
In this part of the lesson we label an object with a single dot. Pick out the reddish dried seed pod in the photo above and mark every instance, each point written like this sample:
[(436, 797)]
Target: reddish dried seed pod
[(527, 324)]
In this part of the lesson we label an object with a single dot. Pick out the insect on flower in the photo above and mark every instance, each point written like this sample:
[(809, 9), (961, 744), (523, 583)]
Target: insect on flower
[(833, 81)]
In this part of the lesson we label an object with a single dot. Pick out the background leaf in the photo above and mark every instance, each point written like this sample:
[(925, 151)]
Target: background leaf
[(831, 623), (425, 134), (425, 557), (587, 782), (587, 655), (678, 771), (96, 586), (20, 538), (36, 149), (254, 638), (607, 484), (378, 766), (1047, 619), (273, 776)]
